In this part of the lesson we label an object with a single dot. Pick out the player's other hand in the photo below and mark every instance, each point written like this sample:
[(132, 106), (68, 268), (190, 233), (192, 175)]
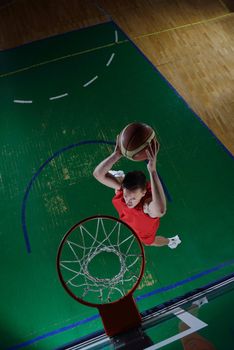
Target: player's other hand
[(152, 152)]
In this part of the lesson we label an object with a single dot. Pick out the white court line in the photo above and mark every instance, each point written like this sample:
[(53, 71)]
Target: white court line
[(90, 81), (23, 101), (193, 322), (116, 36), (59, 96), (110, 59)]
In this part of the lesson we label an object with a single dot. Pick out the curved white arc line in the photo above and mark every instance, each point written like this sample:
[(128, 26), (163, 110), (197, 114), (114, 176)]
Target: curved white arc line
[(23, 101), (90, 81), (58, 96), (110, 59)]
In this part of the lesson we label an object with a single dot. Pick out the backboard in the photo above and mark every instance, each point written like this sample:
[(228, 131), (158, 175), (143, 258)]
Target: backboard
[(197, 318)]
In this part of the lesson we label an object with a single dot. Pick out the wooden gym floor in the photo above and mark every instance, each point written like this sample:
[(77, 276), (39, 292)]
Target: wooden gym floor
[(191, 42)]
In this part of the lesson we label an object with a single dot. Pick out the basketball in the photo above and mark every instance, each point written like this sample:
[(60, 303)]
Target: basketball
[(134, 140)]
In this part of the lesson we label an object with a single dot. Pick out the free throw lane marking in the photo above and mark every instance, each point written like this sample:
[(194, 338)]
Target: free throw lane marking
[(191, 321)]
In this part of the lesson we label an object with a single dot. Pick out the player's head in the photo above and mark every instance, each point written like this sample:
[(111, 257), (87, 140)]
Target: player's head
[(134, 187)]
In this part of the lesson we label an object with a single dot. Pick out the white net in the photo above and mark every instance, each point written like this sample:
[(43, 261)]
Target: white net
[(100, 260)]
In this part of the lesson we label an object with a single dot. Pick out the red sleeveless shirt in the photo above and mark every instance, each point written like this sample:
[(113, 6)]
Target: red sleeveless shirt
[(144, 226)]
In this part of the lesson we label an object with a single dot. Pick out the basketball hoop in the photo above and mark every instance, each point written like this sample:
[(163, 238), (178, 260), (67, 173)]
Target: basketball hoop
[(100, 263)]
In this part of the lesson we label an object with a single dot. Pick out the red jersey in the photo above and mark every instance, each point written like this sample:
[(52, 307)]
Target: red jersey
[(144, 226)]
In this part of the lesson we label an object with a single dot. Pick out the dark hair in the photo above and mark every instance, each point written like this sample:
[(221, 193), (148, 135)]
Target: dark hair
[(134, 180)]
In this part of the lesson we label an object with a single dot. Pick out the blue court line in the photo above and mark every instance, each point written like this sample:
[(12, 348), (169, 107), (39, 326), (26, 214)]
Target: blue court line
[(57, 331), (30, 184), (185, 281), (139, 298)]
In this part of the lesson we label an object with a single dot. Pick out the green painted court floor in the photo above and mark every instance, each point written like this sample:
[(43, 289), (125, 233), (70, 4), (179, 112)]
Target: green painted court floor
[(63, 101)]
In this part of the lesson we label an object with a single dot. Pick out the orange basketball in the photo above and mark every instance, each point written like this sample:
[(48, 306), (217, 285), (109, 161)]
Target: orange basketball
[(134, 140)]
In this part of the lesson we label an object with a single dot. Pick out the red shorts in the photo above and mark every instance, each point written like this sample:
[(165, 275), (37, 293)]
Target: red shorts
[(148, 238)]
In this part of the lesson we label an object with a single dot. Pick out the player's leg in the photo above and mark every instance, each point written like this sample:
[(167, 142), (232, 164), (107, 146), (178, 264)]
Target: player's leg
[(161, 241)]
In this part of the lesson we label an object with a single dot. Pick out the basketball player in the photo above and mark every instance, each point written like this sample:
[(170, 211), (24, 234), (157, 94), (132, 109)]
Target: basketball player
[(139, 203)]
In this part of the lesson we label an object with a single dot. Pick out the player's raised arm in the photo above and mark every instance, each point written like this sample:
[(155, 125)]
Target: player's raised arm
[(157, 207), (101, 172)]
